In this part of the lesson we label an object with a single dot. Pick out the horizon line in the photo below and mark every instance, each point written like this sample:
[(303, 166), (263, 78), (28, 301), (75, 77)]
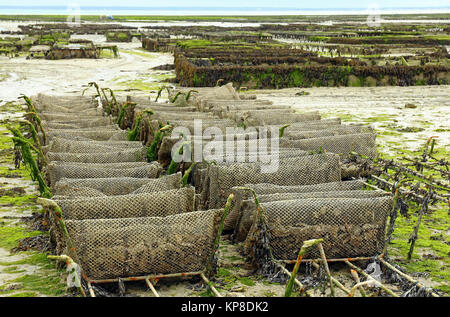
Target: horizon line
[(222, 7)]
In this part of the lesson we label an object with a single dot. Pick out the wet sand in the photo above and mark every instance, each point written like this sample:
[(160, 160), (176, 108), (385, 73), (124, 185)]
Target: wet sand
[(67, 76), (382, 107)]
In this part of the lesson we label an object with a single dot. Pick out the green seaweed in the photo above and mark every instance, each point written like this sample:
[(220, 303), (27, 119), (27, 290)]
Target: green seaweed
[(26, 147), (10, 236), (133, 134)]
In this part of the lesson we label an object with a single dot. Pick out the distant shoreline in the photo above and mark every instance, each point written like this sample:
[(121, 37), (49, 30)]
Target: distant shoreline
[(279, 17), (209, 13)]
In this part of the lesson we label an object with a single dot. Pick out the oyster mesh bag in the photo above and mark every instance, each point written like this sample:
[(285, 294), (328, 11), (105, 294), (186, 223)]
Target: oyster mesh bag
[(112, 248), (118, 185), (79, 124), (124, 219), (222, 124), (74, 146), (331, 131), (70, 102), (57, 125), (171, 115), (246, 210), (350, 227), (244, 150), (302, 170), (100, 135), (110, 127), (61, 109), (265, 189), (264, 117), (73, 110), (120, 155), (55, 172), (118, 165), (68, 192), (200, 170), (66, 117), (363, 144), (310, 125), (155, 204), (229, 111)]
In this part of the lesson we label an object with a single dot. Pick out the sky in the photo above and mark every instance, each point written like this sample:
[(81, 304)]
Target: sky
[(322, 4)]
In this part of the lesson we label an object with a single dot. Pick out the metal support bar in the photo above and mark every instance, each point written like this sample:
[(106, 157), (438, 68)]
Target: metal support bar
[(330, 260), (142, 278), (384, 288)]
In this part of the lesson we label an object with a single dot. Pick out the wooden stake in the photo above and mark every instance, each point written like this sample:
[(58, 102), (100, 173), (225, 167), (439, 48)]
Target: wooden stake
[(356, 277), (91, 291), (338, 284), (406, 276), (150, 277), (68, 260), (306, 245), (209, 284), (299, 284), (413, 237), (329, 260), (358, 286), (152, 288), (384, 288), (327, 269)]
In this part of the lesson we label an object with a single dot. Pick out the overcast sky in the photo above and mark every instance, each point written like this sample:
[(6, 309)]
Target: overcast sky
[(324, 4)]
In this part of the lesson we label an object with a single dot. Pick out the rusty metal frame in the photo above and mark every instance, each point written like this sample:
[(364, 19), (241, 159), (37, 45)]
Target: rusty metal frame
[(353, 271), (151, 280)]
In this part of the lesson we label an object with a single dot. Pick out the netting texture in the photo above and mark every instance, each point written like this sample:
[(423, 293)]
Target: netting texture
[(64, 191), (103, 122), (125, 220), (57, 171), (111, 248), (118, 165), (363, 144), (155, 204), (245, 211), (67, 117), (120, 155), (263, 117), (73, 146), (302, 170), (350, 227), (118, 185), (332, 131), (239, 150), (311, 125), (227, 111), (74, 109), (265, 189)]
